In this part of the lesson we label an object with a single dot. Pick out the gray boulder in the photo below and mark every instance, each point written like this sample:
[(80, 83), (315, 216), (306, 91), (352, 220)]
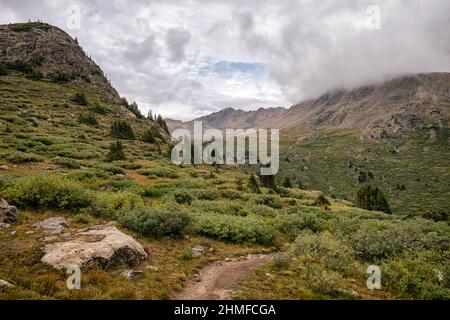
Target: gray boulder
[(54, 225), (8, 213), (102, 246)]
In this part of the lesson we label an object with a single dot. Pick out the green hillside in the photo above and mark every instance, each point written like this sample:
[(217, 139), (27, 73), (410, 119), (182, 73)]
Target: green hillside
[(412, 169), (68, 150)]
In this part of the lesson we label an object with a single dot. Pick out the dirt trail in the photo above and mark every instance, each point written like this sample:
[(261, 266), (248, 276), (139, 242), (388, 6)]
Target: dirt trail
[(216, 280)]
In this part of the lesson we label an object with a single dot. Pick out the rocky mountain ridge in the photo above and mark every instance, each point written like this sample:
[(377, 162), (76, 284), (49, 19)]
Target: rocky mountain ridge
[(377, 111)]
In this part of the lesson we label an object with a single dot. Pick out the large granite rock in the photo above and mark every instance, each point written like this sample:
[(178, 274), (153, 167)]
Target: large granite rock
[(8, 214), (102, 245)]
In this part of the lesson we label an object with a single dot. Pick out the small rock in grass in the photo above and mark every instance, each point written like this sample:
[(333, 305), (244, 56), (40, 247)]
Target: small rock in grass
[(152, 268), (132, 274), (4, 167), (55, 225), (8, 213), (4, 225), (198, 251), (4, 283)]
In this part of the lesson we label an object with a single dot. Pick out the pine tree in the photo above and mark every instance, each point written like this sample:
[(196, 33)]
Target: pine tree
[(160, 121), (122, 130), (287, 182), (372, 199), (254, 186), (116, 152), (268, 181)]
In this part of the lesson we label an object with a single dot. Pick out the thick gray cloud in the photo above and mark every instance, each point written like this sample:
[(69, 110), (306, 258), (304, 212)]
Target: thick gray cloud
[(176, 40), (189, 57)]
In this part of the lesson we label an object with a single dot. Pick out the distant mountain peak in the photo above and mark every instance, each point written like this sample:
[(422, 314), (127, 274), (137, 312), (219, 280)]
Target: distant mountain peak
[(377, 110)]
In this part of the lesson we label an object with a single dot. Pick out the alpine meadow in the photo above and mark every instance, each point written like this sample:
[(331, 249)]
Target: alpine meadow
[(358, 209)]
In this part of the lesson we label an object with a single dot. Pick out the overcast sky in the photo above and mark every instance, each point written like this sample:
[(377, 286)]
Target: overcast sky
[(185, 59)]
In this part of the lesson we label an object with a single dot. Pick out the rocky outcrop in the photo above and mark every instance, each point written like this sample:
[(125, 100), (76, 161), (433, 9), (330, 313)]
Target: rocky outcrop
[(8, 214), (52, 51), (102, 246)]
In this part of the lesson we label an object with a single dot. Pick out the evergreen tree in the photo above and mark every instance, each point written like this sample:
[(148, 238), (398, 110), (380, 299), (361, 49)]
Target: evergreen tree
[(268, 181), (116, 152), (322, 200), (287, 182), (372, 199), (160, 121), (254, 186), (122, 130)]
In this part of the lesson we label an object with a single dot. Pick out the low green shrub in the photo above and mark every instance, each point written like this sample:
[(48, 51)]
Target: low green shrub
[(230, 194), (229, 207), (273, 201), (99, 109), (47, 191), (326, 282), (67, 162), (114, 204), (377, 240), (419, 275), (80, 98), (22, 157), (293, 224), (324, 249), (88, 119), (183, 197), (263, 210), (186, 255), (83, 218), (111, 168), (233, 229), (130, 165), (156, 222), (162, 172), (206, 194)]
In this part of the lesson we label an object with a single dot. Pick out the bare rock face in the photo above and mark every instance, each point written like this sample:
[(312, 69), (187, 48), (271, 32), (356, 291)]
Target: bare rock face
[(102, 245), (52, 51), (8, 213)]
